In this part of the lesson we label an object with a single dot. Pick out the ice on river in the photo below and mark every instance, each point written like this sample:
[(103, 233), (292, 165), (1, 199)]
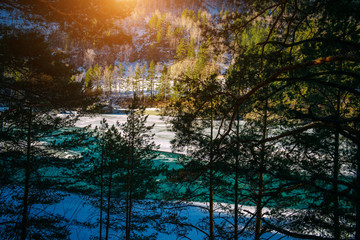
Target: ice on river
[(162, 137)]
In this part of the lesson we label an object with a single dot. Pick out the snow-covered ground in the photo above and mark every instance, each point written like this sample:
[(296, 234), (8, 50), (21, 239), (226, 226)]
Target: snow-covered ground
[(77, 208), (162, 137)]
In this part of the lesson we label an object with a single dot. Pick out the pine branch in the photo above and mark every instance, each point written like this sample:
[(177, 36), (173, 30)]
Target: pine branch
[(274, 78), (293, 234), (319, 40)]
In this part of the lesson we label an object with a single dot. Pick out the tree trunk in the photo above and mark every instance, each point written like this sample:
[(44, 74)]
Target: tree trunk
[(151, 89), (236, 185), (259, 206), (357, 193), (211, 203), (108, 206), (259, 197), (236, 202), (129, 196), (101, 190), (130, 215), (25, 216), (336, 168), (211, 185), (127, 231)]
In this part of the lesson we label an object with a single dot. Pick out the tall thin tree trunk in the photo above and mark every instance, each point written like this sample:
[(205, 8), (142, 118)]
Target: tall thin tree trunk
[(127, 230), (336, 168), (357, 194), (236, 185), (151, 89), (101, 190), (129, 196), (259, 205), (108, 206), (130, 214), (211, 203), (25, 210), (211, 186), (357, 187), (259, 198)]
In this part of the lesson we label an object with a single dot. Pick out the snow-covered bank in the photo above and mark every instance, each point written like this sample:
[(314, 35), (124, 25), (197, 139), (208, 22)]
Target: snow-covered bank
[(77, 209), (163, 135)]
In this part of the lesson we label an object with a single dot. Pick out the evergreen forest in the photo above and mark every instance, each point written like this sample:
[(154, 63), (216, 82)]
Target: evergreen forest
[(180, 119)]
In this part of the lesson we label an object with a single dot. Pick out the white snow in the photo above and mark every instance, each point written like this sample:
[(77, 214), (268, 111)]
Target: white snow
[(161, 130), (194, 210), (77, 208)]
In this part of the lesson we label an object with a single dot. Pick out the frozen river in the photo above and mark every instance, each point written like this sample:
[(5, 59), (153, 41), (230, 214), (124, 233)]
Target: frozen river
[(161, 129), (79, 211)]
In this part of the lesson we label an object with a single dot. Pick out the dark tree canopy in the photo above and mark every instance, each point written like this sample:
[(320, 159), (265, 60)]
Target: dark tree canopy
[(33, 75), (94, 21)]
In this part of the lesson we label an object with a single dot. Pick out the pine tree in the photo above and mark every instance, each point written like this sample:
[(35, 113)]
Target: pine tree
[(41, 83), (159, 35), (194, 123), (137, 80), (153, 22), (164, 85), (129, 87), (106, 158), (294, 89), (97, 76), (181, 50), (89, 78), (191, 50), (108, 78), (140, 171), (202, 60), (151, 78), (143, 81), (120, 77)]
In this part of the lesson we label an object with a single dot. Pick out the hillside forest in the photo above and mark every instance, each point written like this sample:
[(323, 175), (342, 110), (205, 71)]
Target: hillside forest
[(262, 99)]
